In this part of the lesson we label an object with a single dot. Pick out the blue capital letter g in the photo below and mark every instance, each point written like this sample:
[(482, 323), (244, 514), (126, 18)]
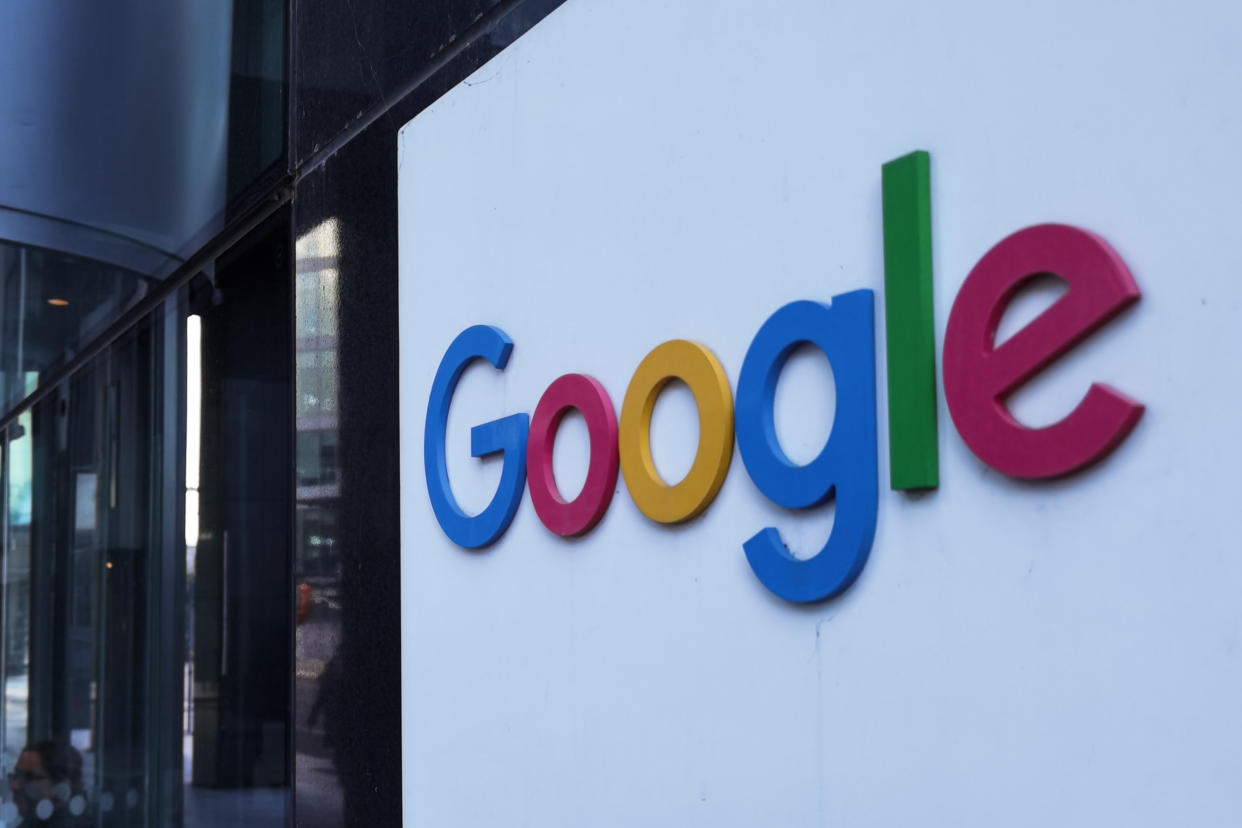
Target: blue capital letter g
[(507, 435)]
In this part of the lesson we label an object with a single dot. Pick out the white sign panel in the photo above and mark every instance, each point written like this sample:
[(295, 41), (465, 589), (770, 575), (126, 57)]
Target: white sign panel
[(1014, 652)]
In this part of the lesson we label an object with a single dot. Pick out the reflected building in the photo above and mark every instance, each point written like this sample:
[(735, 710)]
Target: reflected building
[(317, 672)]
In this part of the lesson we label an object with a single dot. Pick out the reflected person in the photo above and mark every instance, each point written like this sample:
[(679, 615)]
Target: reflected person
[(46, 785)]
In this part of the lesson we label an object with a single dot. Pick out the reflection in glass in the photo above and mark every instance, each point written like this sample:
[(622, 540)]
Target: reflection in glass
[(240, 654), (82, 693), (16, 659), (160, 666), (51, 304), (318, 679)]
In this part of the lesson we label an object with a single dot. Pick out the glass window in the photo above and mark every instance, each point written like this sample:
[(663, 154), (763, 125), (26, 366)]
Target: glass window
[(51, 304), (147, 618)]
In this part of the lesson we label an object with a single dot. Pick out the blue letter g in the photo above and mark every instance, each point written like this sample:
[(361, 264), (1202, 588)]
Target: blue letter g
[(507, 435)]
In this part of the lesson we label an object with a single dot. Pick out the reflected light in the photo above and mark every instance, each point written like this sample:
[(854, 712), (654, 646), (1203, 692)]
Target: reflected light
[(321, 242), (193, 423), (60, 303), (318, 252)]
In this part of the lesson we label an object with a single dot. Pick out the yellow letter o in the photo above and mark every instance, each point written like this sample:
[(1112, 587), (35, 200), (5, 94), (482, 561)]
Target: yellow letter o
[(698, 368)]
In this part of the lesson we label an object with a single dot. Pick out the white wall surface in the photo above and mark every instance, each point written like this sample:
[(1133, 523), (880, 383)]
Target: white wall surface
[(1014, 654)]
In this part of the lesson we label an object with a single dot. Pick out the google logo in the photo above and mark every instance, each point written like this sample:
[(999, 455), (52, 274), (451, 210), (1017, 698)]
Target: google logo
[(979, 375)]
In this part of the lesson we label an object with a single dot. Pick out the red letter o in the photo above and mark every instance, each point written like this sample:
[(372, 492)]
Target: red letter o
[(588, 396)]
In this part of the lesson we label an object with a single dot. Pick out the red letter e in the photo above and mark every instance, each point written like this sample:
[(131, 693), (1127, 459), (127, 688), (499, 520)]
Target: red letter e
[(979, 376)]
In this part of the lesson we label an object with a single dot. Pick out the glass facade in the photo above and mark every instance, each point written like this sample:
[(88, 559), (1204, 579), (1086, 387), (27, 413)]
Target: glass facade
[(146, 564), (54, 303), (199, 562), (92, 605)]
